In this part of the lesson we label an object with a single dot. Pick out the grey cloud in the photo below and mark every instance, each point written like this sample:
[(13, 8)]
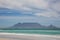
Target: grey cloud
[(33, 6)]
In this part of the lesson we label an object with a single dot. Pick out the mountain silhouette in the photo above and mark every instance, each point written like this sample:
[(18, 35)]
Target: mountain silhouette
[(32, 26)]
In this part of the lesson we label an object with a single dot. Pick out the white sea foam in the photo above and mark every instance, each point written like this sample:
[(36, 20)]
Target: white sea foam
[(35, 35)]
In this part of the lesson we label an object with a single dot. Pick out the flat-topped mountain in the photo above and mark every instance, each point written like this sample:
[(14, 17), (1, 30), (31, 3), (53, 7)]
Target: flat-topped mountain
[(27, 25), (32, 26)]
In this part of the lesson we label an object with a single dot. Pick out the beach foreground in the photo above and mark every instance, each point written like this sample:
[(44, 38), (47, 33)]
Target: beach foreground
[(20, 36)]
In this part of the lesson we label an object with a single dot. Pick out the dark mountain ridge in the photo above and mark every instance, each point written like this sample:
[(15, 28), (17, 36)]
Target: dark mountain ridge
[(32, 26)]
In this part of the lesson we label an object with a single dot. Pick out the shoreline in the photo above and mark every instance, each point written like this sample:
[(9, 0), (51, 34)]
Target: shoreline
[(26, 36), (34, 35)]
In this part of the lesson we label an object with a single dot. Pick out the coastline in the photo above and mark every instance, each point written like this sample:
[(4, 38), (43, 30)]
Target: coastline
[(27, 34), (23, 36)]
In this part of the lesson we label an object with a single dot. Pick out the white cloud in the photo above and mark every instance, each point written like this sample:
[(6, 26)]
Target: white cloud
[(19, 4), (55, 5), (48, 14), (26, 9), (26, 5), (11, 4), (37, 3)]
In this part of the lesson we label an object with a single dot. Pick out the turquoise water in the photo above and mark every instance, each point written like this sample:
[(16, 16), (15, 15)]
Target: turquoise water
[(49, 32)]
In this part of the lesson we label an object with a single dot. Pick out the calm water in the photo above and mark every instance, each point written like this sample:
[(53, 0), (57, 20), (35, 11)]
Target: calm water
[(49, 32)]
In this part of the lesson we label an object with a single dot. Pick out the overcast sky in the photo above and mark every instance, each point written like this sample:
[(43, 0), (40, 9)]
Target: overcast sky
[(45, 12)]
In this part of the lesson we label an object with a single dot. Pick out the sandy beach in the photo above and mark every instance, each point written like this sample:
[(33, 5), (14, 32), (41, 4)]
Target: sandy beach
[(21, 36)]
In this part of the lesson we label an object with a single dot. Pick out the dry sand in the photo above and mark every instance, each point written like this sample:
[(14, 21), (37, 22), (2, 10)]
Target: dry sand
[(20, 36)]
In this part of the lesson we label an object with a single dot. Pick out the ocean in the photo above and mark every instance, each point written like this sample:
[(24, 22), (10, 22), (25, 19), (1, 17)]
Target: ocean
[(46, 32)]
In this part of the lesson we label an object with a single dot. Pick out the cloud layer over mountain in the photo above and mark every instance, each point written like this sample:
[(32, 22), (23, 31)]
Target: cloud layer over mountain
[(42, 11), (39, 7)]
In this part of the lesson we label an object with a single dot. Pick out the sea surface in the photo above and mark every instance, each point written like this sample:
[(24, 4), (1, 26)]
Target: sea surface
[(47, 32)]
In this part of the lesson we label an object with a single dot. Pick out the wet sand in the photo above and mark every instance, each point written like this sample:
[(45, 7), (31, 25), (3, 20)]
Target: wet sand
[(13, 36)]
